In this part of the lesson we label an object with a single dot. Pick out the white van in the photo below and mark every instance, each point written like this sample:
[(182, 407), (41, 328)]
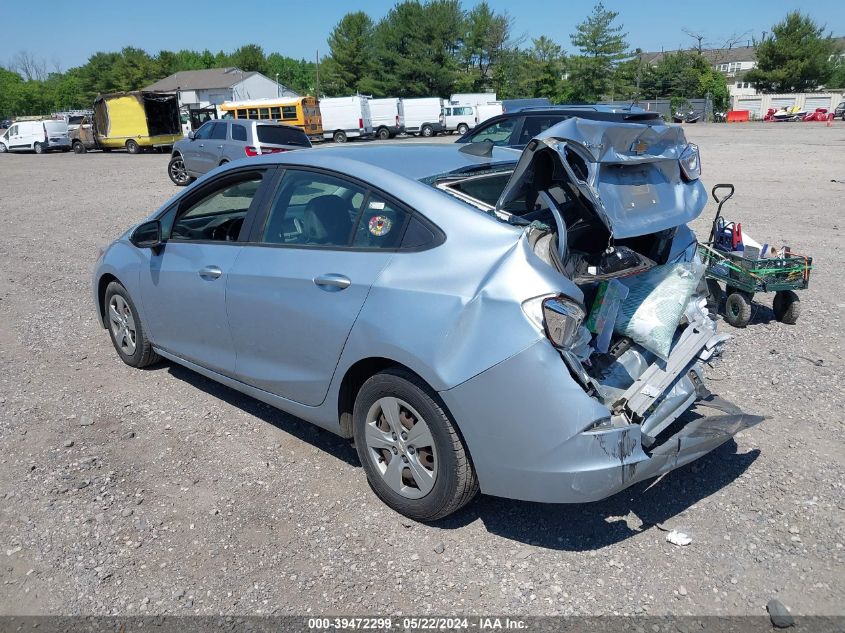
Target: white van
[(36, 136), (423, 116), (346, 117), (459, 118), (388, 117)]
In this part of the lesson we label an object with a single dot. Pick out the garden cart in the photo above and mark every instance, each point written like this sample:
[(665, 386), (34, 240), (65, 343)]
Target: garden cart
[(746, 272)]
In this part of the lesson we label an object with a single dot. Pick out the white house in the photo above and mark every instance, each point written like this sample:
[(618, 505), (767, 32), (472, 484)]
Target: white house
[(213, 86)]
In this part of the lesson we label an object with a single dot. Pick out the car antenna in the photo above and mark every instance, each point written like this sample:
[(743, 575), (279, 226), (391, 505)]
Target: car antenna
[(481, 148)]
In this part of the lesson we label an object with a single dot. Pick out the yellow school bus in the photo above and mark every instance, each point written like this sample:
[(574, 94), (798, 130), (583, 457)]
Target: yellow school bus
[(302, 112)]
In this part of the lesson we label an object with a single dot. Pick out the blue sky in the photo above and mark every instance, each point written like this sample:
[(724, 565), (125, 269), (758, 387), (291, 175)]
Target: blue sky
[(299, 29)]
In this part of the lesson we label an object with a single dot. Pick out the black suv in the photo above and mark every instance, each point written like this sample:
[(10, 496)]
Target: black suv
[(515, 129)]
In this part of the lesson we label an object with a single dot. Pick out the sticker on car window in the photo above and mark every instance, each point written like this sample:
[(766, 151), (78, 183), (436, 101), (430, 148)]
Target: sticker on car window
[(379, 225), (376, 204)]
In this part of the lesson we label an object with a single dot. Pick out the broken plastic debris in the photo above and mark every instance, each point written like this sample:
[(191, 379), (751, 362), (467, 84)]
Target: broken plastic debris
[(678, 538)]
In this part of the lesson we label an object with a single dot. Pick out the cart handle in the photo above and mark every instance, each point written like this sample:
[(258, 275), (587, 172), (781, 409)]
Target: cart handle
[(719, 208), (722, 186)]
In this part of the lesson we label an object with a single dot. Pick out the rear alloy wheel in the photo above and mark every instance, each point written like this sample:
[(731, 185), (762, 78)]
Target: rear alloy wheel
[(177, 171), (127, 333), (383, 134), (427, 131), (39, 148), (79, 148), (411, 451), (339, 136), (463, 128), (132, 147)]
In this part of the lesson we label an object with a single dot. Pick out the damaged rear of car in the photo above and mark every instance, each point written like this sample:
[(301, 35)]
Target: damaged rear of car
[(606, 206)]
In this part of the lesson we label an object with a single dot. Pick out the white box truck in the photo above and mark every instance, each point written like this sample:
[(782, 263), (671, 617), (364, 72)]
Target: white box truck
[(472, 98), (346, 117), (423, 116), (388, 117)]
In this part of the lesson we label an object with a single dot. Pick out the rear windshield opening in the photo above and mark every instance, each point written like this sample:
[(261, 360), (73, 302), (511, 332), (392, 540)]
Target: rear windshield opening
[(278, 135)]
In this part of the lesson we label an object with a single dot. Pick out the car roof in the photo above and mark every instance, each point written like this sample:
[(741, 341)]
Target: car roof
[(414, 161), (597, 112)]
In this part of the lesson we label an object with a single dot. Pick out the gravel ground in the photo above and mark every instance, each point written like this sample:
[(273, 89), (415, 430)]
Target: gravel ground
[(158, 491)]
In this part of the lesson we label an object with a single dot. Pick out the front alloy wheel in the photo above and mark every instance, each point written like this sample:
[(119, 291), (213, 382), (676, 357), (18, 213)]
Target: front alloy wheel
[(178, 172), (125, 327), (414, 457), (123, 330)]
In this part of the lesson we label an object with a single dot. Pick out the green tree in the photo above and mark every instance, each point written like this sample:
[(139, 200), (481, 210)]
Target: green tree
[(249, 58), (11, 88), (484, 42), (544, 71), (349, 69), (296, 74), (797, 57), (416, 48), (602, 45), (682, 76)]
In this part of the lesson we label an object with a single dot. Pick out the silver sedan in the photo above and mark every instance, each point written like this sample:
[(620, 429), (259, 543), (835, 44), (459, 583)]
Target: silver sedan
[(429, 301)]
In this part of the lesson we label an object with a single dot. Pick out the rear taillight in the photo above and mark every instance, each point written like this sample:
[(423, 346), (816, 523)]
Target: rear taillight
[(249, 150), (360, 124)]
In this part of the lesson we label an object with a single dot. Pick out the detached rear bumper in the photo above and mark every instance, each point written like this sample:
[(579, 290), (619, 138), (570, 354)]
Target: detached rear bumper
[(525, 419)]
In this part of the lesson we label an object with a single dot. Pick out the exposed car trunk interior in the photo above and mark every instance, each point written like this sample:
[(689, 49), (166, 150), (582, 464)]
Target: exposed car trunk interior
[(549, 203)]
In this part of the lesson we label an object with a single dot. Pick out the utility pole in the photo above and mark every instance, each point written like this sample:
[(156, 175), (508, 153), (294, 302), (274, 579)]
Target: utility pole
[(278, 86), (318, 75)]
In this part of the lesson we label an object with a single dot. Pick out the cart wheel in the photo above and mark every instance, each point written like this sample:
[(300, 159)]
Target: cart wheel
[(787, 306), (714, 298), (738, 308)]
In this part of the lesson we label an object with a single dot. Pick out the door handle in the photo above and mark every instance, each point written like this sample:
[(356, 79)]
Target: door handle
[(210, 272), (332, 282), (219, 147)]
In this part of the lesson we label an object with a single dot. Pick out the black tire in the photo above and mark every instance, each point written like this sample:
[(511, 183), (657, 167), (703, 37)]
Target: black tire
[(79, 147), (427, 131), (463, 128), (787, 307), (339, 136), (142, 353), (132, 147), (3, 148), (39, 148), (738, 308), (176, 171), (455, 482), (383, 134)]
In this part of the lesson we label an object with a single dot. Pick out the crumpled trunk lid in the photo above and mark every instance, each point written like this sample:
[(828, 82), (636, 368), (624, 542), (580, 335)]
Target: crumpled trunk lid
[(628, 172)]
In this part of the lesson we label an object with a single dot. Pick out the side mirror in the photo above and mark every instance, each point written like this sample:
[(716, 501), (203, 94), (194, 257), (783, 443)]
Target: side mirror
[(147, 235), (191, 135)]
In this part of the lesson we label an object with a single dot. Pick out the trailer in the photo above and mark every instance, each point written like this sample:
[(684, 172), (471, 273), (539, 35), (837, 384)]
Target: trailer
[(134, 121)]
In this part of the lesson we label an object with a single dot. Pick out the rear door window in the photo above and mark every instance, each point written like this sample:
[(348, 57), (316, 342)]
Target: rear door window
[(279, 135), (238, 133), (218, 132)]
